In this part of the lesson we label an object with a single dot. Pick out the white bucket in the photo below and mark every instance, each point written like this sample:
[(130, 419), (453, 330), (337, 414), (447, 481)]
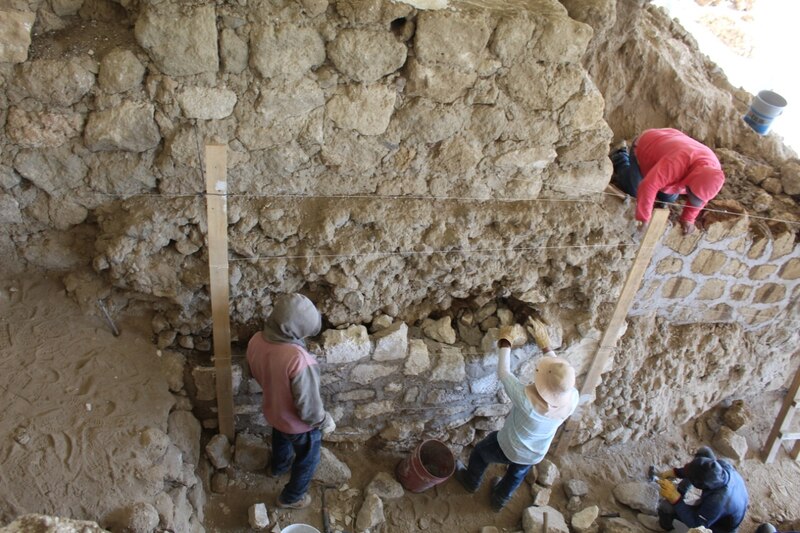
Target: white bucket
[(765, 108), (299, 528)]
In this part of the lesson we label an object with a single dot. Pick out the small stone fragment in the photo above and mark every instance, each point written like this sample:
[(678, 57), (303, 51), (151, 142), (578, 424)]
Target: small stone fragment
[(371, 513), (258, 516), (439, 330), (584, 521), (385, 486), (546, 473), (576, 487), (218, 451)]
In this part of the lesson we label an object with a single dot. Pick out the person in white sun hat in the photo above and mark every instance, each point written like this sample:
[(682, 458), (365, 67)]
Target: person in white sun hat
[(536, 413)]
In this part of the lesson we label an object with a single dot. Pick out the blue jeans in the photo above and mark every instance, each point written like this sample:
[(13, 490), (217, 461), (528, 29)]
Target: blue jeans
[(299, 452), (628, 176), (486, 452)]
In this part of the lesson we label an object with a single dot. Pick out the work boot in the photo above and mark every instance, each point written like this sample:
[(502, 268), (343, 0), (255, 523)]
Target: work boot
[(302, 503), (496, 503), (461, 477)]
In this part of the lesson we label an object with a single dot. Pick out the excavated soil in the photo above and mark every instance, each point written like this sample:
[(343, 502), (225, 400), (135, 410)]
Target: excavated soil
[(75, 400)]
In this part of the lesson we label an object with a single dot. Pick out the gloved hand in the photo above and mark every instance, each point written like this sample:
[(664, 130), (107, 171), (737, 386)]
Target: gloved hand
[(667, 474), (668, 491), (328, 425), (506, 332), (539, 332), (688, 227)]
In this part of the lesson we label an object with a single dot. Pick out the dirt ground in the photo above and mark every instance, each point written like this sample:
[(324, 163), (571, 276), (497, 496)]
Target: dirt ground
[(75, 399)]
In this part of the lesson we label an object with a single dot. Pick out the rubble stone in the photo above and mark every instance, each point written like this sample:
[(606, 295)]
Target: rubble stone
[(56, 82), (541, 495), (584, 521), (619, 525), (206, 103), (15, 26), (331, 470), (365, 109), (533, 520), (250, 452), (576, 487), (346, 345), (546, 473), (130, 126), (205, 382), (439, 330), (385, 487), (181, 40), (233, 51), (139, 518), (42, 129), (285, 52), (258, 516), (737, 415), (120, 71), (450, 366), (218, 451), (730, 444), (418, 360), (184, 431), (391, 343), (366, 55), (638, 495), (367, 373), (370, 514)]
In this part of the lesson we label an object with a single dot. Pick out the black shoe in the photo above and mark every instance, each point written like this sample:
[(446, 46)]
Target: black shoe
[(496, 503), (460, 476)]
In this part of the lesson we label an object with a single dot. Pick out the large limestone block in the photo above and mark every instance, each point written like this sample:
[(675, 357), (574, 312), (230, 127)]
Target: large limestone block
[(441, 83), (370, 514), (233, 51), (423, 121), (206, 103), (181, 40), (287, 51), (439, 330), (365, 55), (42, 129), (293, 99), (54, 82), (533, 520), (450, 366), (391, 343), (366, 109), (184, 431), (563, 40), (129, 127), (511, 37), (642, 496), (365, 374), (54, 170), (15, 27), (418, 358), (120, 70), (538, 86), (730, 444), (369, 410), (457, 39), (346, 345), (331, 470)]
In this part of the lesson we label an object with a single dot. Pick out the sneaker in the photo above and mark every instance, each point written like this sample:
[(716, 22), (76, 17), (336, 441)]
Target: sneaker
[(460, 476), (302, 503), (621, 146), (497, 504)]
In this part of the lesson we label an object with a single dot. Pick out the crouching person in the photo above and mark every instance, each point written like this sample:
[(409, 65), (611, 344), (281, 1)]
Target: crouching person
[(723, 502), (536, 413), (289, 378)]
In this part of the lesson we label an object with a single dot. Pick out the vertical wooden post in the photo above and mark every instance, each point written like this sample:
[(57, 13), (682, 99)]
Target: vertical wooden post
[(216, 166), (606, 348), (783, 421)]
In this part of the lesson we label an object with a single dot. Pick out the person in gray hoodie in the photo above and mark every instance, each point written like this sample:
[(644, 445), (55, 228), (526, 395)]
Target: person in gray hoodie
[(289, 378)]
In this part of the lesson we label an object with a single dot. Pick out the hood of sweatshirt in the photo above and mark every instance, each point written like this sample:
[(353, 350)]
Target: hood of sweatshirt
[(294, 317)]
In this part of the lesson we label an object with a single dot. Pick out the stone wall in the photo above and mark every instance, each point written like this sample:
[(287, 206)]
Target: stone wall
[(740, 270)]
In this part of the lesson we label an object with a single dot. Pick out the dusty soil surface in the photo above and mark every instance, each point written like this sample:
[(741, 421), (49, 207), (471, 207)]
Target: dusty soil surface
[(74, 401), (447, 508)]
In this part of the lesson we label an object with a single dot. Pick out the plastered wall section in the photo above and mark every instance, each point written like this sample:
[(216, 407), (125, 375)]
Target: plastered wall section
[(741, 270)]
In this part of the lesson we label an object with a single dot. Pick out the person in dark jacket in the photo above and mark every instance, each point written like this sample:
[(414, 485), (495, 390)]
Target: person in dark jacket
[(723, 502)]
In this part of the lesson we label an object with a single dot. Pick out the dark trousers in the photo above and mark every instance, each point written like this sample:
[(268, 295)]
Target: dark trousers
[(485, 453), (301, 453), (627, 175)]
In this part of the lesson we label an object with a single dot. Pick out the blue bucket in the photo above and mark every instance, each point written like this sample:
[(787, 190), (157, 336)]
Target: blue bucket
[(765, 108)]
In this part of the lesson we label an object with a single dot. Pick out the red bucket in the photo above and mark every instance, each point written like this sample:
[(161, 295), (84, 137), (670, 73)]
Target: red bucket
[(429, 464)]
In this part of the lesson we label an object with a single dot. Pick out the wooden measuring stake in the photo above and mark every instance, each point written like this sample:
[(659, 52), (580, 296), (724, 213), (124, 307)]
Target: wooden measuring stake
[(606, 348), (216, 166)]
